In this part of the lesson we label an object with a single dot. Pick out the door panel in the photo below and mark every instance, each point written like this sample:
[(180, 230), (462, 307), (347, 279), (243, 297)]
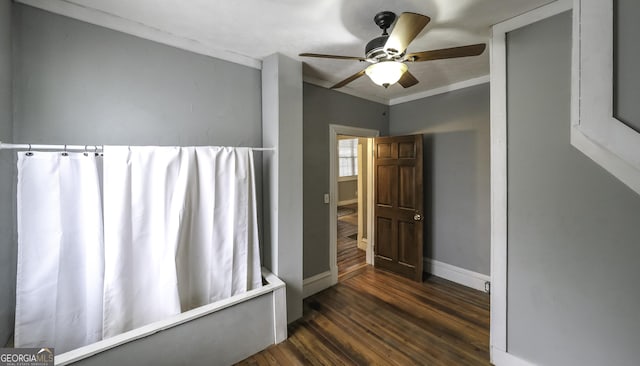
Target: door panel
[(384, 190), (398, 205), (406, 243), (383, 151), (384, 233), (406, 150), (406, 194)]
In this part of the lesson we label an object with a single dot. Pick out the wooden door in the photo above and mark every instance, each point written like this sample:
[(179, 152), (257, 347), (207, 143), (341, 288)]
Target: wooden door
[(398, 205)]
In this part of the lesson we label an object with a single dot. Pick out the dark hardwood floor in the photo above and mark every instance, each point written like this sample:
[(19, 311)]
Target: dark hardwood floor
[(374, 317), (350, 258)]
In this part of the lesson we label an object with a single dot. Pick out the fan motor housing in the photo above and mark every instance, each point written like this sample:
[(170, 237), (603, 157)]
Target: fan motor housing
[(375, 48)]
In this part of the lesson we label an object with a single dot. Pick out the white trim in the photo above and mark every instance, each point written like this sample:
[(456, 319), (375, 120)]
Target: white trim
[(533, 16), (348, 178), (111, 21), (498, 64), (455, 274), (371, 187), (279, 314), (441, 90), (315, 284), (498, 136), (334, 131), (363, 243), (607, 159), (594, 130), (347, 202), (275, 284), (501, 358)]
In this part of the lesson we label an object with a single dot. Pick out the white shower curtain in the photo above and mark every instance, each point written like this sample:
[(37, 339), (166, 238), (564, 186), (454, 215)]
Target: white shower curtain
[(179, 231), (222, 260), (183, 236), (60, 265)]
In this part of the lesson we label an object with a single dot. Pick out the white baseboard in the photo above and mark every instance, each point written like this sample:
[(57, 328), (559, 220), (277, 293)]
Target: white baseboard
[(347, 202), (315, 284), (455, 274), (502, 358)]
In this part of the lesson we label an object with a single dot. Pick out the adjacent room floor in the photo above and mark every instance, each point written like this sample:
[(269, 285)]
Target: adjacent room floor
[(350, 258), (374, 317)]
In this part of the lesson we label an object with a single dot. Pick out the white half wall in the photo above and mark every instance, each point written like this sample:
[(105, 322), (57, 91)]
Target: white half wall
[(282, 202)]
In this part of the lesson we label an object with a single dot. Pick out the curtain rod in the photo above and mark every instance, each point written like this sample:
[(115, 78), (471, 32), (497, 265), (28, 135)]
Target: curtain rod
[(89, 148)]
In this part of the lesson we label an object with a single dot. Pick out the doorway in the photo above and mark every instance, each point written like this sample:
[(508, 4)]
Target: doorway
[(350, 212), (352, 233)]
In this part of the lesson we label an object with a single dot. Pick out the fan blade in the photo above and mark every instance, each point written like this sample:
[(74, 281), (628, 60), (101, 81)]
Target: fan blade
[(453, 52), (407, 80), (408, 26), (319, 55), (348, 80)]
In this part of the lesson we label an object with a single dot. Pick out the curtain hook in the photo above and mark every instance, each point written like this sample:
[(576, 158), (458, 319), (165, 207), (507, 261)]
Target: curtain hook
[(29, 153), (65, 153), (86, 153)]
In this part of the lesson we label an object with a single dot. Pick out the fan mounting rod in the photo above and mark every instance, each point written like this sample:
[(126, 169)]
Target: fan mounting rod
[(374, 51), (384, 19)]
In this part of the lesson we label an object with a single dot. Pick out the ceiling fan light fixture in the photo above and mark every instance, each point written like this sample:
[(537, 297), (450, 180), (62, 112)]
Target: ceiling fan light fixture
[(386, 73)]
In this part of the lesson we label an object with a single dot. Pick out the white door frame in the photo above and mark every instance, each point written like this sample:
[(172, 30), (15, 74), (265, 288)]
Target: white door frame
[(334, 131), (498, 335)]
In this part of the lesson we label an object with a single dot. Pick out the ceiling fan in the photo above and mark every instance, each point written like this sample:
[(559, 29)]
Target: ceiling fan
[(387, 53)]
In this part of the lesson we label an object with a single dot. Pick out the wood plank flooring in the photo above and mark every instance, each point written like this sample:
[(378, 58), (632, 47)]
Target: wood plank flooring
[(374, 317), (349, 256)]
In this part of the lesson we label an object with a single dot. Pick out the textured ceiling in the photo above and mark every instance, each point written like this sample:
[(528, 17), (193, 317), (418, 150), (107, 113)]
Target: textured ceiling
[(258, 28)]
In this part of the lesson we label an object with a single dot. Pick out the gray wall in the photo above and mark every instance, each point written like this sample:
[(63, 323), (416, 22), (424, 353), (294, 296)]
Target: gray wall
[(77, 83), (7, 247), (347, 190), (455, 127), (573, 233), (323, 107)]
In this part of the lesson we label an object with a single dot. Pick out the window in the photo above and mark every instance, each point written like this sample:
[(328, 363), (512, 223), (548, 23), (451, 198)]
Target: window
[(348, 157)]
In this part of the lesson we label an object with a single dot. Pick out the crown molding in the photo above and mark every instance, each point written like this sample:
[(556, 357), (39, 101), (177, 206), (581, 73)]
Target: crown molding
[(441, 90), (407, 98), (114, 22)]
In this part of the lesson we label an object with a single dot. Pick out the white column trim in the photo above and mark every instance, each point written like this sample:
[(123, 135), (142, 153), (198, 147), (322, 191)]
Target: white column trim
[(595, 130), (499, 245)]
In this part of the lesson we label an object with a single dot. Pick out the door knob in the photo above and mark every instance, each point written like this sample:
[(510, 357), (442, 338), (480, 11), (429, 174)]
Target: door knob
[(417, 217)]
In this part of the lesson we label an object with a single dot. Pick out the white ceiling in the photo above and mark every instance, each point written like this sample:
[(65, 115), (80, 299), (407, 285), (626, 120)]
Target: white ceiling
[(246, 31)]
